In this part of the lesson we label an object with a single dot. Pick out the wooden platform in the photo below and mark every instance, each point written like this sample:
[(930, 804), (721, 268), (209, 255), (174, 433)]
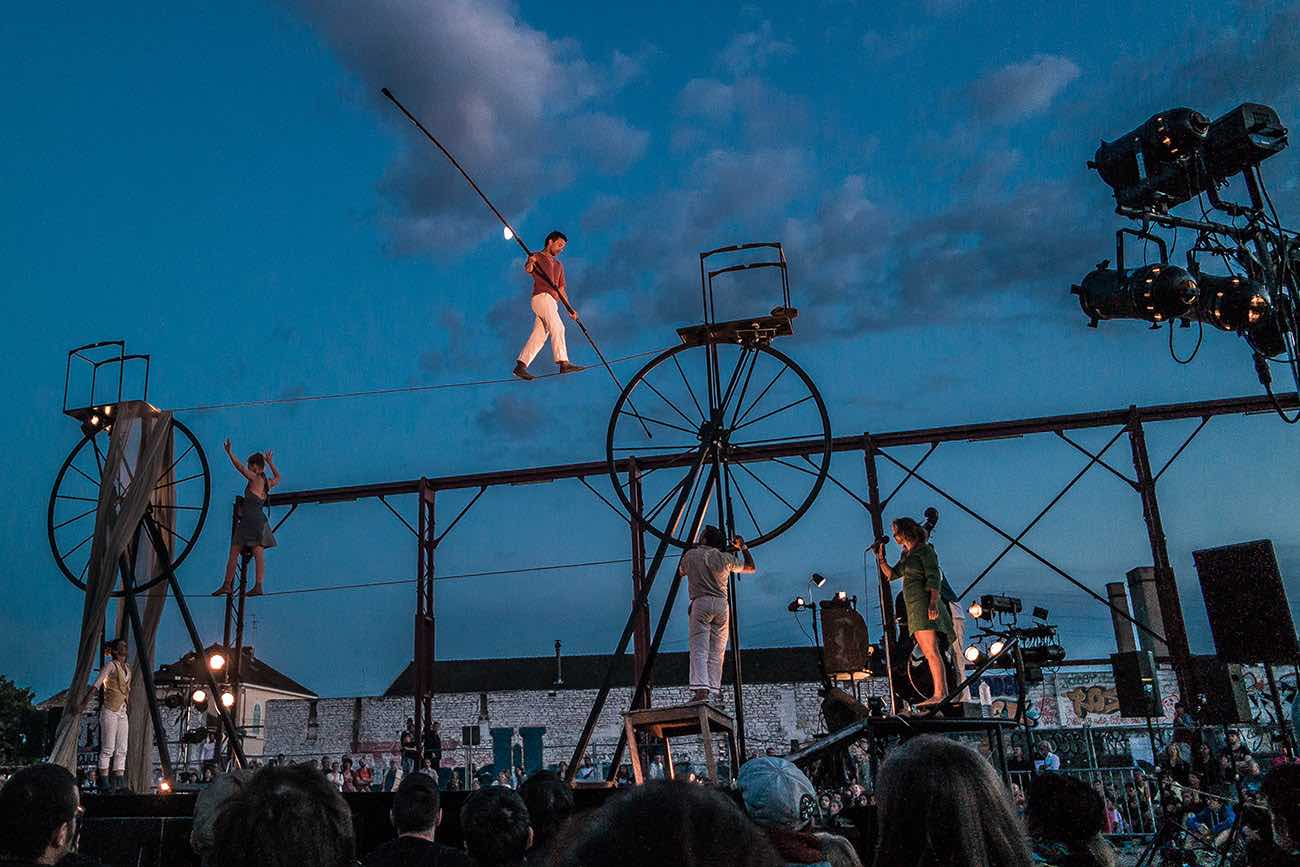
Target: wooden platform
[(760, 329), (665, 723)]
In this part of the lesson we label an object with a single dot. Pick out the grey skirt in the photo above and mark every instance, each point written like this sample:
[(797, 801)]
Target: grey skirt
[(253, 528)]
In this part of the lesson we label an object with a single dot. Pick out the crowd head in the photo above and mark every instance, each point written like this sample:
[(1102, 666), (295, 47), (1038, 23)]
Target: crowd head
[(39, 808), (494, 824), (417, 808), (285, 817)]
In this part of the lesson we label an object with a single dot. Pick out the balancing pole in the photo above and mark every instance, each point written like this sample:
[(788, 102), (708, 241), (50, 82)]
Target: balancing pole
[(520, 241)]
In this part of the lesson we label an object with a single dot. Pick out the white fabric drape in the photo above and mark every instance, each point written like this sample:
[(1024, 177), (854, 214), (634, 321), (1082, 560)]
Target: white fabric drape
[(138, 452)]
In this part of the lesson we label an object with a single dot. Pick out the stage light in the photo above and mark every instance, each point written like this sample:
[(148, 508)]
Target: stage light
[(817, 579), (507, 234), (164, 787), (227, 699), (1153, 293), (199, 697), (174, 700), (1244, 137), (796, 604), (1265, 336), (216, 661), (1149, 167), (975, 610), (994, 604), (841, 596), (1046, 654), (195, 735), (1233, 303), (1040, 613), (997, 647), (973, 653)]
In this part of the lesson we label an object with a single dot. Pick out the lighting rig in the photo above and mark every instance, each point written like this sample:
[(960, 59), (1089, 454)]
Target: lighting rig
[(1173, 158)]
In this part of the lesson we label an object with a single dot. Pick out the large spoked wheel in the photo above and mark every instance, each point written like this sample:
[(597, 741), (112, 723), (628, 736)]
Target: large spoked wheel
[(757, 415), (179, 505)]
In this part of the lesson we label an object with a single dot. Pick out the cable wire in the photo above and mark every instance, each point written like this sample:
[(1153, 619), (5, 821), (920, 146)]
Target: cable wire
[(406, 389)]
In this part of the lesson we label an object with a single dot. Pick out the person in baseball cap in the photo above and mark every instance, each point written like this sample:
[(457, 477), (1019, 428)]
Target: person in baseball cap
[(781, 800)]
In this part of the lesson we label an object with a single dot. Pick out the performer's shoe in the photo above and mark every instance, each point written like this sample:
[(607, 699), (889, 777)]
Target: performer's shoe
[(566, 367), (223, 590), (256, 591), (699, 695), (521, 371)]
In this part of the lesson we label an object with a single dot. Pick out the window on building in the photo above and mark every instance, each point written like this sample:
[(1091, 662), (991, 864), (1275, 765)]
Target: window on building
[(313, 724), (257, 720)]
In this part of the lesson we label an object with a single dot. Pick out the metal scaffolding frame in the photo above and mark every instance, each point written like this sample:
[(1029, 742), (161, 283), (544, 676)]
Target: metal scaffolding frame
[(874, 447)]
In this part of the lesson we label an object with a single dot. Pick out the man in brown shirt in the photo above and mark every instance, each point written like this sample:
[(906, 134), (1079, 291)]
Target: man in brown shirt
[(549, 291)]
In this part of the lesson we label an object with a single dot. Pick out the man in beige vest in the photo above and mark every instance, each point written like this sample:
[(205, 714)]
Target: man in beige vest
[(115, 679)]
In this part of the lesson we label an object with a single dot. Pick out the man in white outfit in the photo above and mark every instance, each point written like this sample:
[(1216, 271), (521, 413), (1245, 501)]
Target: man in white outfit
[(549, 292), (707, 568), (115, 679)]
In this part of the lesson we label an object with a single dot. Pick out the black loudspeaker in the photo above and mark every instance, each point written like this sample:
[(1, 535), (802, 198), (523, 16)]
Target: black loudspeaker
[(1220, 692), (1136, 684), (1244, 597), (844, 637)]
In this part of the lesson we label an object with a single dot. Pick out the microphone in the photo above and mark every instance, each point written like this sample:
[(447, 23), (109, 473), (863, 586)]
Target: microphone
[(880, 542), (932, 516)]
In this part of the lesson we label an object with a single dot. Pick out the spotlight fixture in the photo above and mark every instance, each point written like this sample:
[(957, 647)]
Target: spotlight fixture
[(1244, 137), (227, 699), (1046, 654), (995, 604), (1040, 613), (507, 234), (796, 604), (164, 787), (216, 660), (199, 697), (975, 610), (973, 653), (1233, 303), (997, 647), (174, 700), (1154, 166), (195, 735), (817, 579), (1153, 293), (841, 596)]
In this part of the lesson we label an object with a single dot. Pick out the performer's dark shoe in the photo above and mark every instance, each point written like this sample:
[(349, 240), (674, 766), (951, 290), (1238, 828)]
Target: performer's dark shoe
[(699, 695), (566, 367), (521, 371), (223, 590)]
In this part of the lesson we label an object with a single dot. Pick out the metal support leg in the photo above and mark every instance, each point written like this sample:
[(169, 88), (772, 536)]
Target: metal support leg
[(144, 659), (876, 508), (1171, 608), (641, 636)]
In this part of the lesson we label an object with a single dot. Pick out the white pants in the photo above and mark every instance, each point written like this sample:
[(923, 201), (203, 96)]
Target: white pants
[(959, 647), (547, 324), (710, 618), (112, 739)]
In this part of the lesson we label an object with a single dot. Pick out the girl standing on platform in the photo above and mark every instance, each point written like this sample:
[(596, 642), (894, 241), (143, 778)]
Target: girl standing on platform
[(252, 527), (927, 614)]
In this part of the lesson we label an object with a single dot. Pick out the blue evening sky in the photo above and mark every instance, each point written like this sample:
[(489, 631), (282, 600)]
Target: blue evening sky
[(224, 187)]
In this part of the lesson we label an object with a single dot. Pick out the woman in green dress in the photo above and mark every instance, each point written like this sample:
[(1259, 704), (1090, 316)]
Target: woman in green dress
[(927, 614)]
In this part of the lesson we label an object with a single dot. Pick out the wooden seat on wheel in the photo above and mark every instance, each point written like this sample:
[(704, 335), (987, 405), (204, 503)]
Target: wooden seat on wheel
[(665, 723)]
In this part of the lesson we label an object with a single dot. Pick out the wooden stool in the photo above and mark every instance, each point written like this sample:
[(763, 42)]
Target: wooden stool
[(664, 723)]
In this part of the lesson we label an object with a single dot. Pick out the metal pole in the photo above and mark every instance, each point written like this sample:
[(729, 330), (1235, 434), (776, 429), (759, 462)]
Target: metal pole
[(1166, 585), (641, 637), (642, 600), (876, 508), (144, 659), (236, 668), (1277, 709)]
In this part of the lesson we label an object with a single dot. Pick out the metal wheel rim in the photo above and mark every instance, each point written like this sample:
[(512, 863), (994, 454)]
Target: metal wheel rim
[(822, 466), (179, 558)]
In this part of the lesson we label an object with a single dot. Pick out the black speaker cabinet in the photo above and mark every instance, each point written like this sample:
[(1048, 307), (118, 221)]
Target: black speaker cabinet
[(1244, 597), (1220, 692), (1137, 685), (844, 637)]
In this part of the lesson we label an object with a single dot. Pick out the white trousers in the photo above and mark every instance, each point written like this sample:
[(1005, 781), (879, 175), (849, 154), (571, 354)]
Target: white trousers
[(959, 647), (547, 324), (710, 619), (112, 739)]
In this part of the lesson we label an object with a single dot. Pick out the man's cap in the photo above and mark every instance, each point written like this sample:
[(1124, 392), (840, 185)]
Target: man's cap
[(776, 793)]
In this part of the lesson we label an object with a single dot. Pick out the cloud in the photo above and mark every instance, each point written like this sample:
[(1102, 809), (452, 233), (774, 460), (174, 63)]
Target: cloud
[(706, 98), (1021, 90), (511, 414), (752, 50), (494, 90)]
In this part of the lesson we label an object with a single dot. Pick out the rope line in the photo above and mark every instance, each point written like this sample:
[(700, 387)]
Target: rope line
[(406, 389), (392, 582)]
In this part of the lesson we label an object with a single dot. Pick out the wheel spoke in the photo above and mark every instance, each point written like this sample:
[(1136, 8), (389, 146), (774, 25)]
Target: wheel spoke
[(659, 422), (83, 474), (735, 483), (689, 390), (789, 405), (99, 456), (164, 473), (68, 554), (77, 518), (744, 389), (796, 467), (646, 379), (769, 488), (771, 440), (71, 497), (183, 508), (172, 532), (654, 513), (175, 482), (732, 380), (762, 394), (84, 569)]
